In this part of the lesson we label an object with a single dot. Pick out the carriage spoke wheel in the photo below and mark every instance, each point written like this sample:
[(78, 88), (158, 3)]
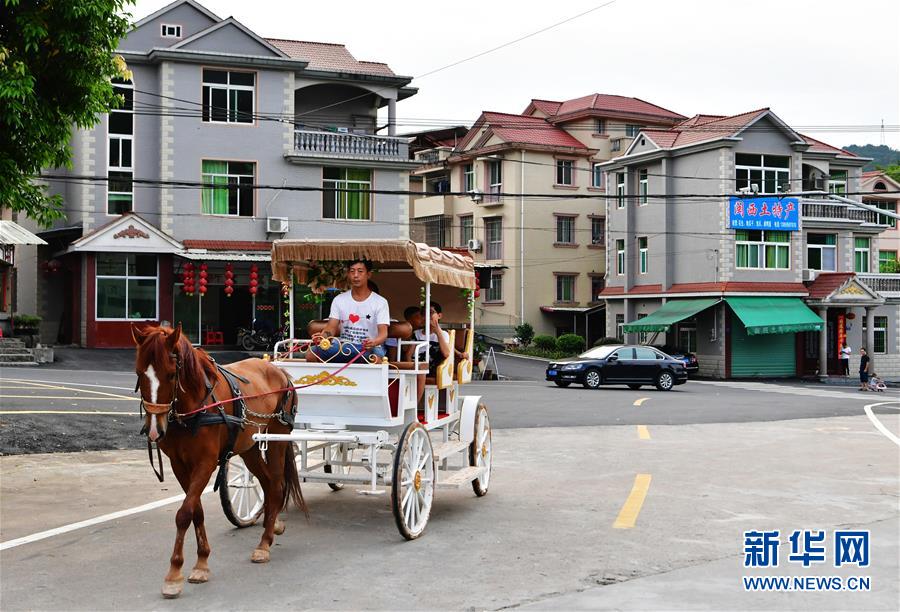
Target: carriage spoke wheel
[(339, 452), (480, 451), (412, 489), (241, 494)]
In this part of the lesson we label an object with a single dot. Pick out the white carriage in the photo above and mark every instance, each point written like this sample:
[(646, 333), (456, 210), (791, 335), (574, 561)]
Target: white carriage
[(360, 424)]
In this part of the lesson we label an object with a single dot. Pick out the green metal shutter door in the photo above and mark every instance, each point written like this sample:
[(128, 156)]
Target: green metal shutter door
[(762, 355)]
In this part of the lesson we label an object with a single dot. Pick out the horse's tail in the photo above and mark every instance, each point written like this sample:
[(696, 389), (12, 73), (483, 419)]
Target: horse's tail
[(292, 483)]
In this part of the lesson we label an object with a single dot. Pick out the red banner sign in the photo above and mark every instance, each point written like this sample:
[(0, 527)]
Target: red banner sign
[(841, 333)]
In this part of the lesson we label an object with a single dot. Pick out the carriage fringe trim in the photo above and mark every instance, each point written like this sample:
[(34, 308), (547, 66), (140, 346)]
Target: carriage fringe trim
[(324, 378)]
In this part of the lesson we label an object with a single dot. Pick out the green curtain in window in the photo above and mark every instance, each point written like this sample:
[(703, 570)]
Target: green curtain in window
[(215, 198), (778, 237), (861, 243), (357, 202)]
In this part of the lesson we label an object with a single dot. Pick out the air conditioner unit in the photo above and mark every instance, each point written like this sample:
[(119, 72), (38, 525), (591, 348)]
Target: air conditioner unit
[(276, 225), (810, 275), (476, 195), (474, 244)]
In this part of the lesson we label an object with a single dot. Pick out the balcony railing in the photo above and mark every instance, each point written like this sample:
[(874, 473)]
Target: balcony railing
[(813, 209), (885, 284), (308, 143)]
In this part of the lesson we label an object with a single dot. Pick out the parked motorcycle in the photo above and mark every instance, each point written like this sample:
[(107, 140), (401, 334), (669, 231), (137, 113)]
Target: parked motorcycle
[(258, 337)]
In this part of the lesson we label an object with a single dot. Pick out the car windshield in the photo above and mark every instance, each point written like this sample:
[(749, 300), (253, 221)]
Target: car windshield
[(599, 352)]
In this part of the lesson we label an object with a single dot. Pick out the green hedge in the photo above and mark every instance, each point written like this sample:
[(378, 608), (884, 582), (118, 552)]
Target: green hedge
[(570, 343), (545, 343)]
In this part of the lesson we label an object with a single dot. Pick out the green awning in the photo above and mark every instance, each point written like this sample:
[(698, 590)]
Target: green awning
[(670, 312), (774, 315)]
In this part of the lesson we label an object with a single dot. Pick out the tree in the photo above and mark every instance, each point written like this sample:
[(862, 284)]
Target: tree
[(525, 334), (56, 61), (892, 171)]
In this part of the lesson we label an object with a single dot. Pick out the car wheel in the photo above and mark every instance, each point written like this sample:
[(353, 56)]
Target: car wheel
[(665, 381), (592, 379), (563, 384), (634, 387)]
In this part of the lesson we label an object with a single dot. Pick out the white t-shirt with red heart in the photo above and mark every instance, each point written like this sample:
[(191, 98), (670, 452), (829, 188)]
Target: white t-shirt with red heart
[(359, 320)]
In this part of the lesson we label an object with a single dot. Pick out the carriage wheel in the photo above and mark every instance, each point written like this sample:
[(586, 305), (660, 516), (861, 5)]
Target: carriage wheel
[(241, 494), (480, 450), (333, 453), (412, 489)]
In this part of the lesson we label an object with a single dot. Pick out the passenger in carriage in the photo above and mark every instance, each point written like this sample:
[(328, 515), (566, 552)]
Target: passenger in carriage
[(438, 342), (359, 318)]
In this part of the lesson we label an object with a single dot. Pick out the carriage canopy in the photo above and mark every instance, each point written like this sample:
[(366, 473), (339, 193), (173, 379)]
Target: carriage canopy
[(430, 264)]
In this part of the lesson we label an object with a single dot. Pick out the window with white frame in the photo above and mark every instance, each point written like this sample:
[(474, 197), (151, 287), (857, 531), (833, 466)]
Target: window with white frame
[(495, 180), (821, 252), (228, 188), (644, 254), (598, 231), (861, 253), (126, 287), (770, 173), (620, 190), (632, 130), (565, 287), (120, 143), (765, 250), (347, 194), (495, 291), (620, 324), (837, 181), (564, 170), (466, 229), (884, 219), (620, 257), (600, 126), (565, 229), (615, 145), (881, 340), (493, 238), (643, 186), (228, 96), (887, 261), (597, 176), (469, 178), (168, 30)]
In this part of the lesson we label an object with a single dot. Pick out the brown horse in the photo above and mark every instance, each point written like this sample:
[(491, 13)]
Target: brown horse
[(176, 379)]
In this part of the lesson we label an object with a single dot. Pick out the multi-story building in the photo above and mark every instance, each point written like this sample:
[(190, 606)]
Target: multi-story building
[(872, 184), (742, 240), (547, 253), (200, 167)]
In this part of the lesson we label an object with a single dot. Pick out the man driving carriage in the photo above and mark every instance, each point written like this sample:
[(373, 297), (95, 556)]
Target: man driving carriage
[(359, 318)]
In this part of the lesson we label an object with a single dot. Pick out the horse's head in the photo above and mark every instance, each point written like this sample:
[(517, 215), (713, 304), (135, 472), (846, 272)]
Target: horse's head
[(158, 365)]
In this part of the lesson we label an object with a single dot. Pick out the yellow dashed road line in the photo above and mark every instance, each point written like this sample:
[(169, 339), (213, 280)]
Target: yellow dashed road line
[(90, 412), (643, 432), (73, 398), (629, 513), (37, 386), (638, 402)]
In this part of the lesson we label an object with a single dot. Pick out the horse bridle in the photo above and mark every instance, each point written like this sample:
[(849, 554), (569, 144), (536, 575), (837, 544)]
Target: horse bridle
[(167, 409)]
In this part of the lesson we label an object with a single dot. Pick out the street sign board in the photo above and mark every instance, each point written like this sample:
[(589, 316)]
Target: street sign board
[(764, 213)]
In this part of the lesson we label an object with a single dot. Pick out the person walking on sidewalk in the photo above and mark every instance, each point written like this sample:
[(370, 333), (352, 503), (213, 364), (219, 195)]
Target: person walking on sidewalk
[(844, 356), (865, 365)]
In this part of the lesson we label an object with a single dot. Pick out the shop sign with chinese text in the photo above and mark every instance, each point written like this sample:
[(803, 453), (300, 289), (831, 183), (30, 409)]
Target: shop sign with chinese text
[(769, 213)]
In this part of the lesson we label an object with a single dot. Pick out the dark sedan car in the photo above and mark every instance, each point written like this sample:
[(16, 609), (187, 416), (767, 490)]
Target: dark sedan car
[(690, 360), (615, 364)]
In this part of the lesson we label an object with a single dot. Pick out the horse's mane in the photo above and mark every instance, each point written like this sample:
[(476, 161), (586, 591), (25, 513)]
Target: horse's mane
[(194, 362)]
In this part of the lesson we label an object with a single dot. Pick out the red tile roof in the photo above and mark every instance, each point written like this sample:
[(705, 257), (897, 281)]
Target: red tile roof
[(228, 245), (329, 56), (717, 288), (827, 282), (615, 104), (527, 130), (821, 147), (548, 107)]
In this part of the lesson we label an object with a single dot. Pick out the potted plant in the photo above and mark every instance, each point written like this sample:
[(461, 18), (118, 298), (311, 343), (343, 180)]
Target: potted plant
[(26, 324)]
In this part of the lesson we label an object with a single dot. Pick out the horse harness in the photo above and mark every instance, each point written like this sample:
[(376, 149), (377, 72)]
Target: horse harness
[(200, 418)]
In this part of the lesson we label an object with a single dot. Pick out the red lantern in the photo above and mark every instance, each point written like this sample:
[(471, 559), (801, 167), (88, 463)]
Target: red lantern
[(477, 293), (202, 283), (254, 275), (187, 278), (202, 290), (229, 280), (229, 290)]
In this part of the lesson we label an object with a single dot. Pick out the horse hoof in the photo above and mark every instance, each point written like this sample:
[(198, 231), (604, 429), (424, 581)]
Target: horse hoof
[(260, 556), (279, 527), (171, 590), (198, 576)]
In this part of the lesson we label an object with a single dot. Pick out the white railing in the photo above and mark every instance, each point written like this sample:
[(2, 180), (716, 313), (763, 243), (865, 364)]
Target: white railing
[(886, 284), (813, 209), (350, 146)]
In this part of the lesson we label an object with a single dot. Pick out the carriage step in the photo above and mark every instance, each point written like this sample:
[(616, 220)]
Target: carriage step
[(459, 478), (449, 449)]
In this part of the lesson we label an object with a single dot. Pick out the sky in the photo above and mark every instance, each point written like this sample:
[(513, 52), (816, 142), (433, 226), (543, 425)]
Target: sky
[(830, 69)]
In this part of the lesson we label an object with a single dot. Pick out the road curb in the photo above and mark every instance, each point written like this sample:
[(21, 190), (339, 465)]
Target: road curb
[(529, 357)]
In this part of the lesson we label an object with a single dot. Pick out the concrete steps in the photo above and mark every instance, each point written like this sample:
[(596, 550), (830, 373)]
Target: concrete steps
[(13, 352)]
